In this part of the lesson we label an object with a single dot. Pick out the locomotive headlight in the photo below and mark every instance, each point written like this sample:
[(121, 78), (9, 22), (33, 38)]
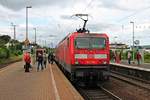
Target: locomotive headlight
[(104, 62), (76, 62)]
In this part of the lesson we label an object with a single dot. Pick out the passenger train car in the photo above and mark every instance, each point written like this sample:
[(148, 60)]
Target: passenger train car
[(84, 56)]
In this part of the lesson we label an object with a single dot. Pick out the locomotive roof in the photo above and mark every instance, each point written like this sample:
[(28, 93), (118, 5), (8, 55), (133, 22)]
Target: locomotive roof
[(83, 34), (90, 34)]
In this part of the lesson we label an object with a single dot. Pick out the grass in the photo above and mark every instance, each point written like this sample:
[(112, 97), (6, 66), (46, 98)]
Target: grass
[(146, 60), (10, 60)]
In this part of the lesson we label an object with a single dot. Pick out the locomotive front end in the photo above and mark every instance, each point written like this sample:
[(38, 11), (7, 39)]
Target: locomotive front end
[(91, 58)]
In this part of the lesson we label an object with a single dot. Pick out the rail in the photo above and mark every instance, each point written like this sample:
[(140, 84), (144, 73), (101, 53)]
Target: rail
[(131, 80), (140, 74), (97, 93)]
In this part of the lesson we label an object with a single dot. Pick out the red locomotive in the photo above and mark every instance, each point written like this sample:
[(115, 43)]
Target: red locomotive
[(84, 56)]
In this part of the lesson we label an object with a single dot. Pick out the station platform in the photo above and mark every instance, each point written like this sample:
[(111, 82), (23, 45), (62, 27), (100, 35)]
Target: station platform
[(49, 84), (143, 66)]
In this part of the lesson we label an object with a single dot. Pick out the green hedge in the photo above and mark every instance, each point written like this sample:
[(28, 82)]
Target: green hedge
[(4, 53), (147, 57)]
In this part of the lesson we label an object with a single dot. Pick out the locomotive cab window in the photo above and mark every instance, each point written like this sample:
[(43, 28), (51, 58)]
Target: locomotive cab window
[(98, 42), (82, 42), (90, 42)]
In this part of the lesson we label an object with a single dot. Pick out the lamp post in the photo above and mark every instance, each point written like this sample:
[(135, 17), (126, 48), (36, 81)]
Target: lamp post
[(35, 35), (51, 43), (27, 41), (115, 42), (133, 38)]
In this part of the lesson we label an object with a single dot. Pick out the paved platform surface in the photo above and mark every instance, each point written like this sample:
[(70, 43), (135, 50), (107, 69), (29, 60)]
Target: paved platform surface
[(49, 84), (143, 65)]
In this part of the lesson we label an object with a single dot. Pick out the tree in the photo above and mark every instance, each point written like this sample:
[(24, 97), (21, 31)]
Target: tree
[(4, 39)]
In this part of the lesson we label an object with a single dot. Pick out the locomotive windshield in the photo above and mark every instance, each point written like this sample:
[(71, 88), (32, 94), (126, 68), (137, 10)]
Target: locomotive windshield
[(90, 42)]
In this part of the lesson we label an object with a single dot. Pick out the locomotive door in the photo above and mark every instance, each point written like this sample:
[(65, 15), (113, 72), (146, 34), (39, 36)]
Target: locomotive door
[(65, 49)]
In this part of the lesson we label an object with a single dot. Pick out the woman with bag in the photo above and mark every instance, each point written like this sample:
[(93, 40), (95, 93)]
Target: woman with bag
[(27, 60)]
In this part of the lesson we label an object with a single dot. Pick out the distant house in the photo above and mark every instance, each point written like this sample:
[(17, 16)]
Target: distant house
[(146, 48), (8, 44), (114, 46)]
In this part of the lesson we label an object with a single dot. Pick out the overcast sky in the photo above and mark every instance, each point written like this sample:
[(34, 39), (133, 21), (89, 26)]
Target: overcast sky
[(54, 17)]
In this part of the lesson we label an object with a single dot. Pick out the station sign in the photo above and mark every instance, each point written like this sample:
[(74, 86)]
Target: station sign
[(137, 42)]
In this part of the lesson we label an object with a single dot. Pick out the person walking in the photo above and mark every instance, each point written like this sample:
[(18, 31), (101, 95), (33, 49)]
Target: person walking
[(52, 58), (138, 57), (129, 57), (49, 58), (44, 59), (40, 61), (27, 60)]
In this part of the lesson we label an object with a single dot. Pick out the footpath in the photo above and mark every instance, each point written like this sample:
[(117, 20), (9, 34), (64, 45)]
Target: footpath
[(49, 84)]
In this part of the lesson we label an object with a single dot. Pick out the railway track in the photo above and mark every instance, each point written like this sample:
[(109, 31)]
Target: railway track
[(97, 93), (132, 80), (135, 76), (137, 73)]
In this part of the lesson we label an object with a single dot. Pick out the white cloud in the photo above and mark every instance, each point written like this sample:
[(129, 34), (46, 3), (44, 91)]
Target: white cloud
[(54, 17)]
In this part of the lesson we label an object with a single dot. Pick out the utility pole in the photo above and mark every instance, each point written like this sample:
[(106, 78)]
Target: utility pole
[(133, 38), (13, 42), (45, 43), (27, 40), (14, 27)]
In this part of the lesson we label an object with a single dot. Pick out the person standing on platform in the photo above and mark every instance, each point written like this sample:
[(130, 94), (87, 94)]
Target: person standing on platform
[(27, 60), (49, 58), (44, 59), (129, 57), (114, 56), (52, 58), (40, 61), (117, 57), (138, 57)]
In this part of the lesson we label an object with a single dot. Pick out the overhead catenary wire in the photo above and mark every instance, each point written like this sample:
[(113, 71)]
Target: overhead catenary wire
[(6, 5), (88, 5), (83, 10), (133, 14)]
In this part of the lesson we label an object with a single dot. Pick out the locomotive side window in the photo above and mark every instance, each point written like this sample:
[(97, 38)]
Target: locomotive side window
[(67, 41), (90, 42)]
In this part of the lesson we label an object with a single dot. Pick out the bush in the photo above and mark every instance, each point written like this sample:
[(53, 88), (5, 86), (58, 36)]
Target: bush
[(4, 53), (19, 52), (147, 57), (8, 53)]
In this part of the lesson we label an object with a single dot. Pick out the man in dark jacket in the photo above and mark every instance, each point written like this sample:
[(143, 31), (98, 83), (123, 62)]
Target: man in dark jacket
[(40, 61), (52, 58), (49, 58)]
